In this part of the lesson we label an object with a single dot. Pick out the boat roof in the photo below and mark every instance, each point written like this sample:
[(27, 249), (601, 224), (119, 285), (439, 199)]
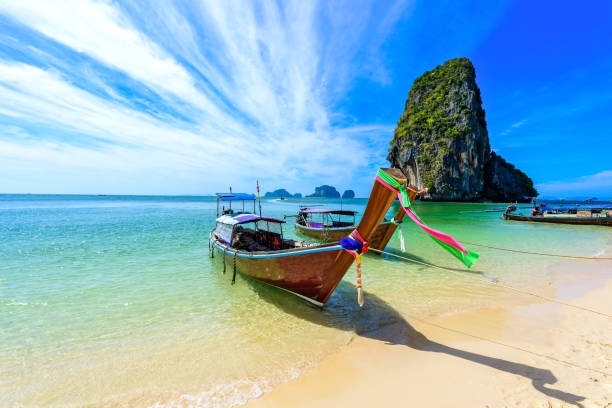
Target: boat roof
[(325, 211), (244, 218), (235, 196)]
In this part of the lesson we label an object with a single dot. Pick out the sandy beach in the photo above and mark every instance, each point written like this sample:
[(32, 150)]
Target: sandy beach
[(534, 354)]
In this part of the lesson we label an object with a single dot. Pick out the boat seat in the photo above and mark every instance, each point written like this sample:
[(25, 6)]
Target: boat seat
[(288, 244), (246, 242)]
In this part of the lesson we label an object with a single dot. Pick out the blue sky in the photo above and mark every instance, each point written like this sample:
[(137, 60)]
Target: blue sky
[(188, 97)]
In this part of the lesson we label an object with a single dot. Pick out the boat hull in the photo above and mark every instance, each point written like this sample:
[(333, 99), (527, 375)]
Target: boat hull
[(378, 240), (301, 271), (325, 234), (561, 220), (383, 233)]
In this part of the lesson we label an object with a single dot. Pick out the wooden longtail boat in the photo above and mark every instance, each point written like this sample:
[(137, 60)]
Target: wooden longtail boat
[(331, 228), (255, 245), (329, 233), (578, 215)]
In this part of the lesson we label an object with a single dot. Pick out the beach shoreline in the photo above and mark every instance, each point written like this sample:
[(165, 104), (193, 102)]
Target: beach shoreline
[(531, 354)]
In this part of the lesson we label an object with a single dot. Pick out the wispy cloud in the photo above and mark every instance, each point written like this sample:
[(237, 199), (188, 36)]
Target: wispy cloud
[(513, 126), (258, 84), (599, 184)]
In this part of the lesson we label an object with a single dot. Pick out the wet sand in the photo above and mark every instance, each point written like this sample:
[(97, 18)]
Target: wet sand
[(537, 354)]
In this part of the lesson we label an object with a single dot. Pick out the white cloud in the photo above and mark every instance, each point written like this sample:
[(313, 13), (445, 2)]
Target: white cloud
[(98, 29), (513, 126), (112, 136), (259, 83), (594, 184)]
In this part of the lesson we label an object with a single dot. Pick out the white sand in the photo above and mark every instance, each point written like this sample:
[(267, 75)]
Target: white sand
[(537, 355)]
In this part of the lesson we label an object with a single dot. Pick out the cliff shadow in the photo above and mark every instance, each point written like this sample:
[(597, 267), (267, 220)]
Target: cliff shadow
[(379, 321)]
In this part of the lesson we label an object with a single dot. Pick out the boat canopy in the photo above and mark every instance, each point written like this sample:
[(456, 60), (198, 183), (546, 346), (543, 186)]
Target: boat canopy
[(325, 211), (244, 218), (227, 224), (236, 196)]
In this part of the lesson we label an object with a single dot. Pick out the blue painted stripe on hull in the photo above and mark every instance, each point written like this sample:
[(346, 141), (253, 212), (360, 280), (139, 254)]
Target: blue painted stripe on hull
[(288, 252), (337, 229)]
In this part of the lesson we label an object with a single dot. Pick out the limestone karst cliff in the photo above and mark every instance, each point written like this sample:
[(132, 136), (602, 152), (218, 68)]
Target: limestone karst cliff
[(504, 182), (281, 192), (325, 191), (441, 141), (348, 194)]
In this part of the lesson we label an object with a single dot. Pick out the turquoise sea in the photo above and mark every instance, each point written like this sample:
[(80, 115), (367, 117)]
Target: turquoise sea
[(114, 300)]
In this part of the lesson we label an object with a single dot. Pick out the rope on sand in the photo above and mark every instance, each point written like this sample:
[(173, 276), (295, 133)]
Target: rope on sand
[(490, 282)]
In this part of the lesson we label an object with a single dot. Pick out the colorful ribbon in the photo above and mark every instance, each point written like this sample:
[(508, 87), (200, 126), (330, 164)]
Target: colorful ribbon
[(447, 242), (355, 245), (401, 234)]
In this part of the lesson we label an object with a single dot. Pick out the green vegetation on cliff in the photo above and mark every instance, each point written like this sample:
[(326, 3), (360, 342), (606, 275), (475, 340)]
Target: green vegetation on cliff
[(427, 108)]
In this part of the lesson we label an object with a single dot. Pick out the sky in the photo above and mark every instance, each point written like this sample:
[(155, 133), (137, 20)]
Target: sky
[(189, 97)]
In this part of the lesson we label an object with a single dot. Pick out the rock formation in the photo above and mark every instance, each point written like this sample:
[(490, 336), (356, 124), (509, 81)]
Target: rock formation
[(281, 192), (325, 191), (504, 182), (348, 194), (441, 141)]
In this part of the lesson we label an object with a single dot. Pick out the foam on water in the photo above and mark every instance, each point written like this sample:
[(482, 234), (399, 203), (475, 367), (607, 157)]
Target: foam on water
[(114, 300)]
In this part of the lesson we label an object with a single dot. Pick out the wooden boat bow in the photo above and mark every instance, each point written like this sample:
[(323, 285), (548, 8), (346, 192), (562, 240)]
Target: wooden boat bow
[(379, 203)]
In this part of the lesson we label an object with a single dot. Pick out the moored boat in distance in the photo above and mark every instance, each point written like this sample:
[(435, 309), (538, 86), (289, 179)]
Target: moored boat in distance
[(255, 246), (330, 230), (323, 224), (577, 215)]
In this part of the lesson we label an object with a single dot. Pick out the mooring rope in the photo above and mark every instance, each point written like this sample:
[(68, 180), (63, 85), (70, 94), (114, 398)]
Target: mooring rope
[(490, 282), (594, 258), (234, 275), (540, 253)]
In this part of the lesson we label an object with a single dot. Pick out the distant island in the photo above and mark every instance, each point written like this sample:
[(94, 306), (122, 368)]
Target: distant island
[(441, 141), (281, 192), (325, 191)]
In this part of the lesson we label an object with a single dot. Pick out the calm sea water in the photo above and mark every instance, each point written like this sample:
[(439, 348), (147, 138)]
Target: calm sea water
[(114, 300)]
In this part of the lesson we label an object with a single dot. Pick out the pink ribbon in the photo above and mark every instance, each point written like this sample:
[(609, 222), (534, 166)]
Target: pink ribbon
[(434, 233)]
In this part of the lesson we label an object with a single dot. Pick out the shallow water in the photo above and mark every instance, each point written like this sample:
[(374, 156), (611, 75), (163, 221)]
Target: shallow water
[(114, 300)]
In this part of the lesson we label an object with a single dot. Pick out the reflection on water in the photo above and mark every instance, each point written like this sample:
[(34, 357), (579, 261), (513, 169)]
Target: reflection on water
[(114, 299)]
